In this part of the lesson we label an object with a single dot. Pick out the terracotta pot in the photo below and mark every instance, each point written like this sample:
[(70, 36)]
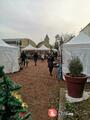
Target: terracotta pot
[(75, 85)]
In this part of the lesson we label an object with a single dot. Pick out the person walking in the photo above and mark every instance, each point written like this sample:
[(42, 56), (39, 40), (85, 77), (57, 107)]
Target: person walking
[(35, 58), (50, 64), (27, 60), (23, 58)]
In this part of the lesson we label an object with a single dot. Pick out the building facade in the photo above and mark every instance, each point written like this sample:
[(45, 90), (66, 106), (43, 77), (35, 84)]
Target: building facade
[(21, 42)]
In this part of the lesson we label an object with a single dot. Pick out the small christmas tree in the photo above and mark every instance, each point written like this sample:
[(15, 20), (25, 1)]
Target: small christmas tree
[(11, 105)]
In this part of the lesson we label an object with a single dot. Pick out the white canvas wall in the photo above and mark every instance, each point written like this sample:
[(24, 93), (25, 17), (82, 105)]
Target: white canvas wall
[(9, 57)]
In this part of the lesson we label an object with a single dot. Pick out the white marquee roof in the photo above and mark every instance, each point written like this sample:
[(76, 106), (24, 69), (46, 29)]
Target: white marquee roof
[(43, 47), (30, 47), (82, 38)]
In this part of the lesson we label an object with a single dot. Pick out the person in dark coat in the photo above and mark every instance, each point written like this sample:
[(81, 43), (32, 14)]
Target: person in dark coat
[(50, 63), (23, 58), (35, 57)]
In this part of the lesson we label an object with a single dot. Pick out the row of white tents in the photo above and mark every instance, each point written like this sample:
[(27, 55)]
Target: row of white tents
[(43, 47), (9, 56), (78, 46)]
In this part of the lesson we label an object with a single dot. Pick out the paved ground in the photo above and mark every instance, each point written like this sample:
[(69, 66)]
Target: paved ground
[(38, 88)]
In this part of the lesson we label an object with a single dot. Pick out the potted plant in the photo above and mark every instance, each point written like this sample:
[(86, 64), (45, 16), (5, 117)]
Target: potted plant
[(75, 79)]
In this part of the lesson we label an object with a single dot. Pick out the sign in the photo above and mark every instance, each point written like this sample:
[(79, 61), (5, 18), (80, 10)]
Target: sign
[(52, 112)]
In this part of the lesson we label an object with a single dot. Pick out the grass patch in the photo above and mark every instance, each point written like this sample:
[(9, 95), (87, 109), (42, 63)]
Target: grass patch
[(80, 110)]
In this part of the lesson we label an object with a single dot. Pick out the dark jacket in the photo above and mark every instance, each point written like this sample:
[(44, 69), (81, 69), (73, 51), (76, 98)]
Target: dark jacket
[(50, 61), (35, 56), (23, 56)]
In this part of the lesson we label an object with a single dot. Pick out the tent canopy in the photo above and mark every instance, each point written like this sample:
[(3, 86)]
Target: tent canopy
[(82, 38), (30, 47), (54, 50), (9, 57), (77, 47), (43, 47)]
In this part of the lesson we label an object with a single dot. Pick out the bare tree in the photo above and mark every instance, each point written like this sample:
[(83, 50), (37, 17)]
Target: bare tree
[(60, 39)]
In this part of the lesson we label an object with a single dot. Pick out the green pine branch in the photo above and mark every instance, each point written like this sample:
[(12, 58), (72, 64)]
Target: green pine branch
[(11, 106)]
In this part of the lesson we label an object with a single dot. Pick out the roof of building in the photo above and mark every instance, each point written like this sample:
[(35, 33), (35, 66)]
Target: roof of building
[(86, 29), (14, 39)]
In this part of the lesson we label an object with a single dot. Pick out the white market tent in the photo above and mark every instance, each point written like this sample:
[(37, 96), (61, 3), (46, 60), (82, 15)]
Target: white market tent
[(54, 50), (29, 47), (9, 57), (78, 46), (43, 48)]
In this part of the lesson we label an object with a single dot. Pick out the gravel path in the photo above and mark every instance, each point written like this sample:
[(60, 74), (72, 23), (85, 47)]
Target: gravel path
[(38, 88)]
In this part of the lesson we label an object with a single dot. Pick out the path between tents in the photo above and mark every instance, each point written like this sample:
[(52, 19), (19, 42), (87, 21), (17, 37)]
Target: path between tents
[(38, 88)]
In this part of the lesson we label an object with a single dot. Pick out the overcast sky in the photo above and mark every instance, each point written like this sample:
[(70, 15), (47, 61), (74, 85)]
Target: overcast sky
[(35, 18)]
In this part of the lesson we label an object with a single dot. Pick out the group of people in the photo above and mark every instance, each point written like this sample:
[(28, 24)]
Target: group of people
[(50, 60), (25, 61)]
